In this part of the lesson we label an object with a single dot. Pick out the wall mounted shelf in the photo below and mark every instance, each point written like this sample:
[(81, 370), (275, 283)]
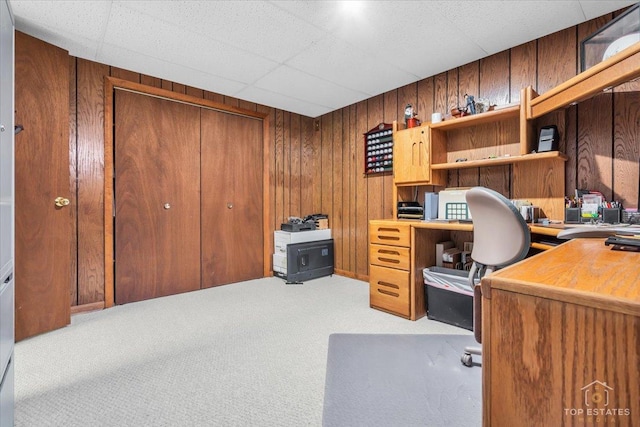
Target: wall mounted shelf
[(498, 161)]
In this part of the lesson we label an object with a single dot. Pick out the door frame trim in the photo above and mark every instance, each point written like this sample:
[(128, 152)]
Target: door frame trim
[(110, 85)]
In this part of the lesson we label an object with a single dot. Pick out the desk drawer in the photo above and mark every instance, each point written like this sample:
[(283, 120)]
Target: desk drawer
[(389, 256), (396, 234), (389, 290)]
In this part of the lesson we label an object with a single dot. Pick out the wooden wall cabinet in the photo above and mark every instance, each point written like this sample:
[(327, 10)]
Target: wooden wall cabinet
[(413, 153)]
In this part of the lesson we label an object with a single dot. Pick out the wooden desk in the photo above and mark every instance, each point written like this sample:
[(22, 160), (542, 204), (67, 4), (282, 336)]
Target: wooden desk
[(400, 250), (561, 338)]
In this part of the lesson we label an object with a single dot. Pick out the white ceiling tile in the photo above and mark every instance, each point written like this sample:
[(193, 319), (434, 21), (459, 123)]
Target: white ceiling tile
[(177, 44), (134, 61), (85, 19), (300, 56), (253, 26), (593, 9), (278, 100), (349, 67), (299, 85)]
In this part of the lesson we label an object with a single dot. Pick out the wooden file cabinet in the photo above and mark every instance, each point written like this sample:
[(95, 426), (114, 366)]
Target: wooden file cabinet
[(561, 339), (389, 267)]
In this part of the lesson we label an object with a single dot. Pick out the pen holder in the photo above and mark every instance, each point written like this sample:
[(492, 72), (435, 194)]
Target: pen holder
[(611, 215), (572, 216)]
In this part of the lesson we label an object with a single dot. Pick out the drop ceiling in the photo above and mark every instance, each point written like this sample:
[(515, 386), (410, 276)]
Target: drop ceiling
[(306, 57)]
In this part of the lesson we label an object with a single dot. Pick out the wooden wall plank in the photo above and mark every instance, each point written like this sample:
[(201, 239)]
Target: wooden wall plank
[(362, 200), (426, 94), (453, 98), (556, 59), (269, 201), (73, 181), (594, 144), (522, 71), (216, 97), (279, 170), (494, 83), (286, 165), (390, 113), (375, 187), (468, 84), (495, 86), (198, 93), (352, 194), (440, 95), (307, 165), (90, 109), (626, 150), (295, 193), (337, 221), (150, 81), (179, 88), (326, 153), (124, 74)]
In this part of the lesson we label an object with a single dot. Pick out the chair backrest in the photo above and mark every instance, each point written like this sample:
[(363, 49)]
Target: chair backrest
[(500, 234)]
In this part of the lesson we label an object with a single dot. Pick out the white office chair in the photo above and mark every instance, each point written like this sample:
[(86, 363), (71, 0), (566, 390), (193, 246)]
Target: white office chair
[(500, 237)]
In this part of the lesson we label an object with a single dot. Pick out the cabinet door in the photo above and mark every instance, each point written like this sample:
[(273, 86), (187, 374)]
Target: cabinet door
[(411, 151), (232, 227), (157, 197)]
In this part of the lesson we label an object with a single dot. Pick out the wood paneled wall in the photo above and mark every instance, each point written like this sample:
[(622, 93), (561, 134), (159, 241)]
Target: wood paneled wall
[(317, 164), (600, 136)]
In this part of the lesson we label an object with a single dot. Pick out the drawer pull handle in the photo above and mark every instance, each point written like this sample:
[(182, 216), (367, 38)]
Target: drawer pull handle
[(395, 238), (388, 285), (393, 230), (391, 294), (388, 252), (389, 260)]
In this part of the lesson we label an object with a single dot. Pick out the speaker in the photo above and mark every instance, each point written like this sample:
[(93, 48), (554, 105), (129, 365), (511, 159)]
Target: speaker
[(430, 205), (548, 140)]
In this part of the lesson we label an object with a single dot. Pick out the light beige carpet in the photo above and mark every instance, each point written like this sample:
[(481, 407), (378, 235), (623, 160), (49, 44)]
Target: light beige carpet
[(247, 354)]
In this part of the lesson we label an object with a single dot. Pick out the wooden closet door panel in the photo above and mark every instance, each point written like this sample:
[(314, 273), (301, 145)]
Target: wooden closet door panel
[(157, 197), (232, 235), (43, 249)]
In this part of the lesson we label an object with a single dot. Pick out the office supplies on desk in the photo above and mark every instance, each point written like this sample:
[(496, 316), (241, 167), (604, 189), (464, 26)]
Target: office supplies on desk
[(621, 243), (410, 210)]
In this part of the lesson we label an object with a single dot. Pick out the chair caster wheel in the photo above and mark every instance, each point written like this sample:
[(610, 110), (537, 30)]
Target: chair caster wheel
[(467, 360)]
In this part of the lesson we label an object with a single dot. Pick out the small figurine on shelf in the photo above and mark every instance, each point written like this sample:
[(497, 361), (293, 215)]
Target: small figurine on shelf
[(410, 117), (408, 113), (470, 108)]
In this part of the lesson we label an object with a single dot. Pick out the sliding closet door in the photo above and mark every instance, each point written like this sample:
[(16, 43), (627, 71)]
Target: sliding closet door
[(232, 238), (157, 197)]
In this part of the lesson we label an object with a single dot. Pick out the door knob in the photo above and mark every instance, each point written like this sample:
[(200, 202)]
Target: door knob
[(61, 202), (230, 205), (167, 206)]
